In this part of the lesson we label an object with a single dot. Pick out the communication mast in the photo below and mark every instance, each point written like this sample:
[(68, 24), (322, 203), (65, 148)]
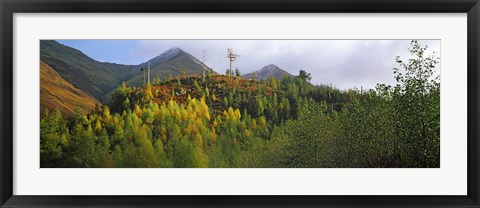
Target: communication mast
[(204, 56), (148, 72)]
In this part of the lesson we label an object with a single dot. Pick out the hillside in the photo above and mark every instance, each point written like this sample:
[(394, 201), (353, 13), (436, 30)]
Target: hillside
[(219, 90), (267, 71), (220, 87), (169, 64), (172, 62), (220, 121), (57, 93), (92, 77)]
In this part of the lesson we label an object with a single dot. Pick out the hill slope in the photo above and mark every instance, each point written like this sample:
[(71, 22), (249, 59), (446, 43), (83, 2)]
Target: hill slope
[(267, 71), (171, 62), (92, 77), (219, 91), (57, 93)]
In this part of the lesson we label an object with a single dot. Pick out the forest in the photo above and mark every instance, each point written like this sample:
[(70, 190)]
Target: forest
[(226, 121)]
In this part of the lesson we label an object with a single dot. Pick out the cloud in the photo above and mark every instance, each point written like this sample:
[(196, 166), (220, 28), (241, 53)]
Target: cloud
[(343, 63)]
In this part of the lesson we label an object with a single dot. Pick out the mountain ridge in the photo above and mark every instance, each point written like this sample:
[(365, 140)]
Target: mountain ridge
[(85, 73), (170, 62), (57, 93), (267, 71), (99, 79)]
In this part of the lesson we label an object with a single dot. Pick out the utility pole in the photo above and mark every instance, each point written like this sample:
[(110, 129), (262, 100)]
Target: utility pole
[(330, 90), (204, 58), (148, 72), (231, 57)]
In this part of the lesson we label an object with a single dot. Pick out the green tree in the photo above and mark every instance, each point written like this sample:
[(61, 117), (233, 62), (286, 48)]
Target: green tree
[(305, 76), (54, 138), (82, 151), (417, 97), (237, 72)]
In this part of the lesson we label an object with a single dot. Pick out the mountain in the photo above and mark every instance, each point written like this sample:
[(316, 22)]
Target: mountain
[(58, 93), (174, 62), (92, 77), (267, 71), (100, 79)]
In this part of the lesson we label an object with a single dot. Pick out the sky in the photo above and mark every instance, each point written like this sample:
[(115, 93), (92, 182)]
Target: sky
[(342, 63)]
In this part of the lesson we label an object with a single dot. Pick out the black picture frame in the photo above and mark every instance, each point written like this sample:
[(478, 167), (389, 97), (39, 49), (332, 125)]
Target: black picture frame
[(9, 7)]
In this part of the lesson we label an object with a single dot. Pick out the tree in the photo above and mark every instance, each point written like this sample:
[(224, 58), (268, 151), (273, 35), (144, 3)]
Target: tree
[(305, 76), (145, 155), (144, 70), (82, 151), (237, 72), (126, 103), (417, 102), (53, 139), (157, 80), (209, 73), (160, 154), (273, 82), (197, 86)]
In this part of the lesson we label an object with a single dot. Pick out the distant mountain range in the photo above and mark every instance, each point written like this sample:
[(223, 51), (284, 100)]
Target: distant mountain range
[(267, 71), (172, 62), (85, 81)]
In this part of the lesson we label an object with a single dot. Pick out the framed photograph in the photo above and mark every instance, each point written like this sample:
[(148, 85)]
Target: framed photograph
[(239, 104)]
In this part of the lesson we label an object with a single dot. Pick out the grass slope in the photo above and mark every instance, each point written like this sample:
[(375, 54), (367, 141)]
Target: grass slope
[(92, 77), (57, 93)]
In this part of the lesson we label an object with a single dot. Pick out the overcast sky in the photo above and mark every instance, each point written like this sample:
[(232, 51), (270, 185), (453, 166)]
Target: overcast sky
[(343, 63)]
